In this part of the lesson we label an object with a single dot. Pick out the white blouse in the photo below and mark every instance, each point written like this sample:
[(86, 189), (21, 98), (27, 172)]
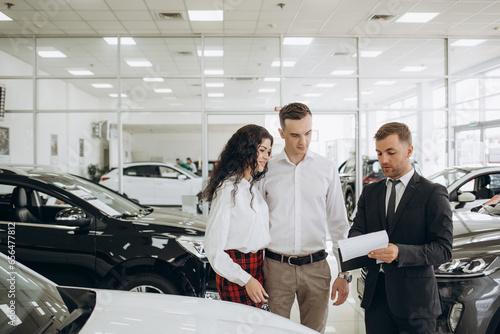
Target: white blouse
[(235, 225)]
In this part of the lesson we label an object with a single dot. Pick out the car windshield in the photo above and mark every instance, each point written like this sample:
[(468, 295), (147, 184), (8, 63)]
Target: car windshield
[(448, 176), (101, 197), (28, 301)]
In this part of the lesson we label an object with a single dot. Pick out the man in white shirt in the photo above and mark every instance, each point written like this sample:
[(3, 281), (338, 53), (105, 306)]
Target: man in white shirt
[(303, 192)]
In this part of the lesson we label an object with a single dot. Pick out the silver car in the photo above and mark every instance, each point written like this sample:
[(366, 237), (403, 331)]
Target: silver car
[(30, 303), (469, 186), (154, 183)]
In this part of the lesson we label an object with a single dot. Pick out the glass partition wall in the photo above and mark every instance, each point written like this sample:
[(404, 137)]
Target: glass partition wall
[(90, 103)]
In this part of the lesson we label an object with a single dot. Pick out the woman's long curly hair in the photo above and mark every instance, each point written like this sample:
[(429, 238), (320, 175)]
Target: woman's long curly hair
[(238, 155)]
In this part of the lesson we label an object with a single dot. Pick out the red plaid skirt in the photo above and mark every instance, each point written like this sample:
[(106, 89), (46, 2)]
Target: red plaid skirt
[(252, 264)]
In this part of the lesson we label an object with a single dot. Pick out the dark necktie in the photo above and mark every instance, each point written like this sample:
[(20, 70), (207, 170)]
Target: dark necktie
[(391, 207)]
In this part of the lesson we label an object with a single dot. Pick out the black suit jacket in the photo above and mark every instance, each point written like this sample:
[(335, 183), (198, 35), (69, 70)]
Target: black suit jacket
[(423, 232)]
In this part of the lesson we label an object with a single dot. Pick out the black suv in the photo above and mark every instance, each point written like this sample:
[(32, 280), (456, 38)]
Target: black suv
[(372, 172), (79, 233)]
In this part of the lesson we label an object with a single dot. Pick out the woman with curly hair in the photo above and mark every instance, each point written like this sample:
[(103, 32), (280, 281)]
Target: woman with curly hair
[(238, 224)]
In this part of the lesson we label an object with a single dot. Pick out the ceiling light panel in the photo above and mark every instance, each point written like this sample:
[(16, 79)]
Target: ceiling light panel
[(467, 42), (413, 68), (162, 90), (123, 40), (153, 79), (4, 17), (51, 54), (297, 40), (416, 17), (211, 53), (138, 63), (206, 15), (79, 71), (102, 85)]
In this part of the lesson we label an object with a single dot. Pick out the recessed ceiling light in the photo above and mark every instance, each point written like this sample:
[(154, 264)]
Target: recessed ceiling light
[(162, 90), (297, 40), (276, 63), (413, 68), (102, 85), (139, 63), (214, 72), (211, 53), (215, 94), (206, 15), (4, 17), (312, 95), (350, 99), (267, 90), (467, 42), (325, 85), (123, 40), (153, 79), (385, 82), (416, 17), (342, 72), (367, 92), (214, 84), (272, 79), (79, 71), (51, 54), (116, 95), (368, 54)]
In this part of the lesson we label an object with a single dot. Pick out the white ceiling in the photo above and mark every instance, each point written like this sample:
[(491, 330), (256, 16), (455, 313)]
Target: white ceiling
[(249, 17)]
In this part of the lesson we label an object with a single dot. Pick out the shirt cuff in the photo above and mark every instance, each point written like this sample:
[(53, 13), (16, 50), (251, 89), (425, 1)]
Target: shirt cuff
[(243, 278)]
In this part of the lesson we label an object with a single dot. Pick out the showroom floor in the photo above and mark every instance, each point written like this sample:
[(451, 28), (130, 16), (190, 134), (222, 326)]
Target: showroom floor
[(347, 318)]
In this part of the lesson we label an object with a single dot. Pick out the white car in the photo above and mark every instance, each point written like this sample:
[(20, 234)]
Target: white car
[(469, 186), (154, 183), (30, 303)]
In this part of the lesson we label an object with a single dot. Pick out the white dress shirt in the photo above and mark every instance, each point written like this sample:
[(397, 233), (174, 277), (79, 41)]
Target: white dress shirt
[(400, 188), (235, 225), (304, 201)]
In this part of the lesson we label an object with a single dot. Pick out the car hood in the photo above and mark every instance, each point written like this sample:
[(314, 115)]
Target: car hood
[(173, 217), (129, 312), (475, 234)]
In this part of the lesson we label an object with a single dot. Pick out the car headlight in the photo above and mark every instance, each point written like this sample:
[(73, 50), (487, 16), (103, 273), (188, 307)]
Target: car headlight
[(455, 315), (480, 266), (194, 245)]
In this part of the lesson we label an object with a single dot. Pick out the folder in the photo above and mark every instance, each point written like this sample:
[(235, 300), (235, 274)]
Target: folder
[(357, 262)]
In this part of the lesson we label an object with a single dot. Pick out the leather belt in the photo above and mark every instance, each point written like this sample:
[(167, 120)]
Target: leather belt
[(297, 260)]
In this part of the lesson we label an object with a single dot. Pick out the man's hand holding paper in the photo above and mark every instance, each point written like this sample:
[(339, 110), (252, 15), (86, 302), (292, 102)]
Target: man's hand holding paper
[(386, 255), (363, 250)]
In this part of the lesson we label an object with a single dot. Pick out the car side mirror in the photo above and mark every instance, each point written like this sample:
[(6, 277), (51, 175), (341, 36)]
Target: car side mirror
[(466, 197), (72, 217), (182, 177)]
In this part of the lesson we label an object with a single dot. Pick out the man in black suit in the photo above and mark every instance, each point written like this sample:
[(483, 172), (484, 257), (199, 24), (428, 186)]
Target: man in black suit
[(401, 294)]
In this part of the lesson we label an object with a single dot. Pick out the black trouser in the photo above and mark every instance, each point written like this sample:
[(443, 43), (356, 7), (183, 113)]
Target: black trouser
[(380, 320)]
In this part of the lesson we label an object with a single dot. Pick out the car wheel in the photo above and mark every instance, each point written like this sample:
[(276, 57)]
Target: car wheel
[(349, 204), (151, 283)]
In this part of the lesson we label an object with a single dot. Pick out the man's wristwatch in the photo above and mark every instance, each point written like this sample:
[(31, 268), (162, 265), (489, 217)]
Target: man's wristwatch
[(348, 278)]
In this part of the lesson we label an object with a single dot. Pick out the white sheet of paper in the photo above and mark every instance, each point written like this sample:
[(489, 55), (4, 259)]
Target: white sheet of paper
[(363, 244)]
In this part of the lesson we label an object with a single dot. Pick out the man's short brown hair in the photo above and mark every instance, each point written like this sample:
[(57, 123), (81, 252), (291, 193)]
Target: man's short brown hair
[(294, 110), (401, 129)]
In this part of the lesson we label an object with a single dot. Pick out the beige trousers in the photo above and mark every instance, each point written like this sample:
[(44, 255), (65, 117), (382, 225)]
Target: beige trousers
[(311, 284)]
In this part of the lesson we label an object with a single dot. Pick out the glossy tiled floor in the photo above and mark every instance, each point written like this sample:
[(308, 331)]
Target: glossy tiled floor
[(346, 318)]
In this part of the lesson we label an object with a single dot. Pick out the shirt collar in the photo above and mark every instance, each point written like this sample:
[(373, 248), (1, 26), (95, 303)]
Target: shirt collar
[(405, 179), (283, 156)]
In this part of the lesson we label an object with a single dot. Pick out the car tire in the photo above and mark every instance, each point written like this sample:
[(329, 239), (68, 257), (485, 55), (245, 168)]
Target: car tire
[(349, 204), (150, 283)]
